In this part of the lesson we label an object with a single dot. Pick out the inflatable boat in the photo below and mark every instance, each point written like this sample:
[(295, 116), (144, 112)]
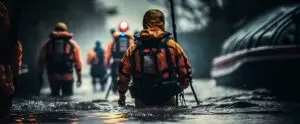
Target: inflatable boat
[(265, 53)]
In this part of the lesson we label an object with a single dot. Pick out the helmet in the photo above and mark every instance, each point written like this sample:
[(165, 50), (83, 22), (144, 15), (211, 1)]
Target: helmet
[(98, 43), (136, 32), (123, 26), (112, 31), (61, 26)]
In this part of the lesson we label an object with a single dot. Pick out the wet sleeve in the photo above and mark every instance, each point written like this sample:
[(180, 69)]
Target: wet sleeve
[(108, 54), (183, 66), (42, 60), (77, 57), (124, 76), (19, 58)]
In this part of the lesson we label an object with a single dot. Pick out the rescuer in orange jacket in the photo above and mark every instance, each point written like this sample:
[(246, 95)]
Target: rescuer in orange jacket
[(60, 54), (98, 70), (116, 49), (156, 64), (10, 63)]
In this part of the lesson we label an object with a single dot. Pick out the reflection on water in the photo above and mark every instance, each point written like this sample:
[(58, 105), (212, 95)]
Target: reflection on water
[(219, 106), (113, 118)]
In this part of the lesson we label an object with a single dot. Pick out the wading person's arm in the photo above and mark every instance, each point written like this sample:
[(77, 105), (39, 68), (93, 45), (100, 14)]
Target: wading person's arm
[(90, 58), (108, 54), (78, 63), (184, 67)]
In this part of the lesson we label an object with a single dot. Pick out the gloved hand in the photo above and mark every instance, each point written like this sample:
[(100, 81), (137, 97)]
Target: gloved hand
[(78, 83), (121, 100)]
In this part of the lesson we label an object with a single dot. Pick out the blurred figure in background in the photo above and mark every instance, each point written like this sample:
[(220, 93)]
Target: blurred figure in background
[(116, 49), (10, 62), (112, 31), (98, 70), (60, 55)]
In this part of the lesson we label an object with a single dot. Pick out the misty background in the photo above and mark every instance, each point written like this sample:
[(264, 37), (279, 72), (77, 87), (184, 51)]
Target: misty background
[(202, 25)]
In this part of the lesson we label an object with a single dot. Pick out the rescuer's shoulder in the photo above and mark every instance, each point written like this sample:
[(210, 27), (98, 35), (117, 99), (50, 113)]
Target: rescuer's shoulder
[(75, 44), (175, 45)]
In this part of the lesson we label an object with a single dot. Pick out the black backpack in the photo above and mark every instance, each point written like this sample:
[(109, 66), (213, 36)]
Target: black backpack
[(150, 89), (120, 45), (100, 55), (59, 61)]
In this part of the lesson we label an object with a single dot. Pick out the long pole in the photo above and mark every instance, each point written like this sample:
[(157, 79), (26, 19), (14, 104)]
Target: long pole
[(173, 20), (194, 93), (110, 86), (174, 33), (175, 38)]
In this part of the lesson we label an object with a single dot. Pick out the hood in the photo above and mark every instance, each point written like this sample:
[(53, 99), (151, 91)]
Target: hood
[(153, 24), (61, 34)]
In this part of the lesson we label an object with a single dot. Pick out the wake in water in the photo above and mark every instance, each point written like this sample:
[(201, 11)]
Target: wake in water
[(219, 103)]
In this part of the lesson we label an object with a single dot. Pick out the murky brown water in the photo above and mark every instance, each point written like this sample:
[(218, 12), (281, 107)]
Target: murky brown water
[(219, 106)]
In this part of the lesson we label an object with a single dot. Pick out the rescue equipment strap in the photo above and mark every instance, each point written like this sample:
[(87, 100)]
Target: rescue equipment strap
[(163, 44)]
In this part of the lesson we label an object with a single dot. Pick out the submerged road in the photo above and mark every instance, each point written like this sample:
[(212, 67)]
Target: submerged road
[(219, 105)]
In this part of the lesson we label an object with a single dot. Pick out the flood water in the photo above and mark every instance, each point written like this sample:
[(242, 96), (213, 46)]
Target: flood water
[(219, 105)]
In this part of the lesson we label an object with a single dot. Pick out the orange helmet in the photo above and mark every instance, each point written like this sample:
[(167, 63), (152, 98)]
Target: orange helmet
[(123, 26)]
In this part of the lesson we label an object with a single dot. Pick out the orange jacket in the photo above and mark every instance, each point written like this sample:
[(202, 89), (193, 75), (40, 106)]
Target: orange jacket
[(76, 56), (10, 70), (92, 58), (153, 30), (108, 50)]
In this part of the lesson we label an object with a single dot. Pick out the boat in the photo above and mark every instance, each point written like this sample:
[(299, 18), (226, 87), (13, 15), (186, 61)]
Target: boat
[(265, 53)]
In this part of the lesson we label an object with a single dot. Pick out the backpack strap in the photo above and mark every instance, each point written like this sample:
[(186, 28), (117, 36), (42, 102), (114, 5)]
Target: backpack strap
[(169, 60), (142, 55)]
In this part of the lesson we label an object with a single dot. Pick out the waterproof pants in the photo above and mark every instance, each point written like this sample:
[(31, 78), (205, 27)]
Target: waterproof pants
[(65, 85), (98, 74)]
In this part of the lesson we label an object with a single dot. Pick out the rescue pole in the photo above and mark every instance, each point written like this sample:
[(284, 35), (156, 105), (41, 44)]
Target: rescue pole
[(175, 38), (173, 20), (110, 86), (174, 34)]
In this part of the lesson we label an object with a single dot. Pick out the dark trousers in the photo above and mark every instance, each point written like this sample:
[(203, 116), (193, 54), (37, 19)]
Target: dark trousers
[(58, 85), (5, 105), (100, 80), (114, 72), (98, 74)]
